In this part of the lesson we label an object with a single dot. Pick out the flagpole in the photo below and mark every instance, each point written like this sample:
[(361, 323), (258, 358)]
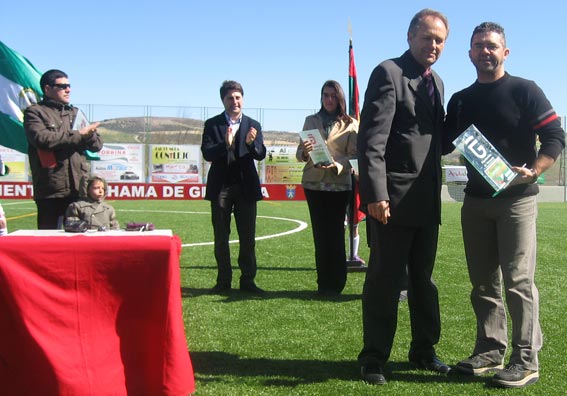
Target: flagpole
[(353, 265)]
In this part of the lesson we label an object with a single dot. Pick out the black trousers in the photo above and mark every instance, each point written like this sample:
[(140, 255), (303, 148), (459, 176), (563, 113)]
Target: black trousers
[(232, 199), (327, 210), (392, 249), (51, 212)]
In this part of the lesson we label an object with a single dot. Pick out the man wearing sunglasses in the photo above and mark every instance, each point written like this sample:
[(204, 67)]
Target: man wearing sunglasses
[(55, 150)]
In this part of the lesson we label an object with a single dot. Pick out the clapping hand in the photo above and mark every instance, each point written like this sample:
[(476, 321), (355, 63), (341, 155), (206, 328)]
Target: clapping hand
[(89, 129), (251, 135)]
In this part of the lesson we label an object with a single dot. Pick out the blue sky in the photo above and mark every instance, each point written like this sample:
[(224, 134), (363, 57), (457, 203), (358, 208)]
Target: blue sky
[(177, 53)]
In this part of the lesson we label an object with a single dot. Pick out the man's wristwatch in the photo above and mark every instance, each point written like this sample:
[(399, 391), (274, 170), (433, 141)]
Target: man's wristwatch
[(534, 176)]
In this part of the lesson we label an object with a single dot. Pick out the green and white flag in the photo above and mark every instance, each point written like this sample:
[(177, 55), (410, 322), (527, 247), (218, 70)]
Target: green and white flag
[(19, 88)]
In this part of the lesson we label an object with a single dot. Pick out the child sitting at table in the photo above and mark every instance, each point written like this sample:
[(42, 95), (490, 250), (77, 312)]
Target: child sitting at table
[(92, 208)]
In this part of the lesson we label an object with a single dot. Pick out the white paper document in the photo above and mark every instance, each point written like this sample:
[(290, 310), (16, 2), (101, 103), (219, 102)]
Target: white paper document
[(81, 121), (354, 165), (320, 154)]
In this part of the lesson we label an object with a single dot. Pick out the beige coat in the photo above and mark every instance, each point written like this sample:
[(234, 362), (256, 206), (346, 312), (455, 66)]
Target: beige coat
[(342, 146)]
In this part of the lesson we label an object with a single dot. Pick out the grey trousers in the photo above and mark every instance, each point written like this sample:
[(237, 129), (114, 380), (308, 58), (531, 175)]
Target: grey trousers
[(500, 246)]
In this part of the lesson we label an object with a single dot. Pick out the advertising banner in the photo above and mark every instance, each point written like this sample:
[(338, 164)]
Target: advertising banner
[(120, 162), (16, 162), (175, 163), (139, 191), (455, 174), (281, 166)]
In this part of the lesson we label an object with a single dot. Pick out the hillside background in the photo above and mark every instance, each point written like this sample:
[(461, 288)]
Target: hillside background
[(173, 130)]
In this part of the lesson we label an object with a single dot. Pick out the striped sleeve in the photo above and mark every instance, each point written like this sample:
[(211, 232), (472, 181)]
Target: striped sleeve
[(546, 124)]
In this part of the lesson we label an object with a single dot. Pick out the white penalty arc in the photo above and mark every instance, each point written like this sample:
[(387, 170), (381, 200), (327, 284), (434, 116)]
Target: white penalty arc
[(300, 226)]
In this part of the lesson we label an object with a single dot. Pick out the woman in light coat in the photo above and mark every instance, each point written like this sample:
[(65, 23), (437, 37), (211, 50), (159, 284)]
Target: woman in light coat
[(327, 186)]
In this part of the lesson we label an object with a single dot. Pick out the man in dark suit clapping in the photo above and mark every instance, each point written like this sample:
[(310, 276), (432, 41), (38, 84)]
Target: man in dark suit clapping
[(399, 153), (231, 142)]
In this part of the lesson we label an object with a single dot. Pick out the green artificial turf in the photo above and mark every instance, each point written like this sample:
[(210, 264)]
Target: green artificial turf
[(289, 342)]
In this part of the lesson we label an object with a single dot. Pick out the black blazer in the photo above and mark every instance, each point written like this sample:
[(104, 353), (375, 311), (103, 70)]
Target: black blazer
[(214, 149), (399, 142)]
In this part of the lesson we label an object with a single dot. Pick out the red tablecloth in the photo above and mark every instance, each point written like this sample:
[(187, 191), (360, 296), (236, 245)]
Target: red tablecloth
[(94, 316)]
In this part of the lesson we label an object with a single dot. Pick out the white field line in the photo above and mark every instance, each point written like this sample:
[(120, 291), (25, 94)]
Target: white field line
[(8, 203), (301, 225)]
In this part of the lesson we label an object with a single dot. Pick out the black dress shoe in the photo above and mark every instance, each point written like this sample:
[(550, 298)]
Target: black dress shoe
[(220, 288), (432, 364), (373, 374), (251, 288)]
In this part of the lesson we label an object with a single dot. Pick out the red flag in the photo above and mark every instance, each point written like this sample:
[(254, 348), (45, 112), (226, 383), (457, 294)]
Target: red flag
[(354, 111), (353, 107)]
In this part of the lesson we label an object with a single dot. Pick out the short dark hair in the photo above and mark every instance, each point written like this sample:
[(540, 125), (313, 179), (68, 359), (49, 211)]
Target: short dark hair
[(421, 15), (488, 27), (49, 77), (229, 85)]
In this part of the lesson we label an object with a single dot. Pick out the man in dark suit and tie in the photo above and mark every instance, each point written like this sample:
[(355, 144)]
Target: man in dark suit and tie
[(399, 153), (231, 142)]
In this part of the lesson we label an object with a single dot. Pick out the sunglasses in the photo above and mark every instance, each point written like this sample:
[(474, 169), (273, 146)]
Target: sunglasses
[(61, 86)]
